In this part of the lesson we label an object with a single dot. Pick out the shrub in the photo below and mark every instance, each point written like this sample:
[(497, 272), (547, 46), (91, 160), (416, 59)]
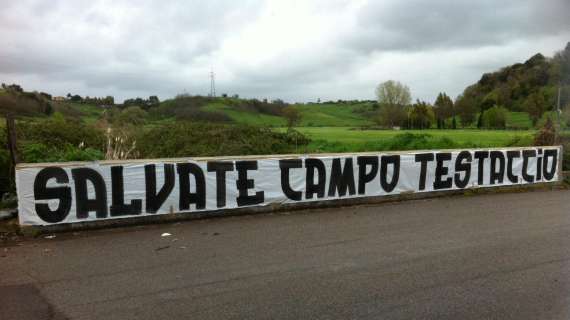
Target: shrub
[(38, 152), (411, 141), (199, 115), (495, 118), (185, 139), (57, 132), (546, 136), (185, 107), (132, 115)]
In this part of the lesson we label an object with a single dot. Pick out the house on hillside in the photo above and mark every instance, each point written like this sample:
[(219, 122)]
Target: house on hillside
[(59, 98)]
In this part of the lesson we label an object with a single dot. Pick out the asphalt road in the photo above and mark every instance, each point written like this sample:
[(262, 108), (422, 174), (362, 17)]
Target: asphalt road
[(501, 256)]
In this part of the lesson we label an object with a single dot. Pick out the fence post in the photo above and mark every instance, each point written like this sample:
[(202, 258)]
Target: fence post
[(12, 147)]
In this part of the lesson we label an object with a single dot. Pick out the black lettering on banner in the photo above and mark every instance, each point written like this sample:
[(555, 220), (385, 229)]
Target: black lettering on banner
[(497, 174), (526, 155), (285, 165), (441, 170), (539, 165), (550, 153), (481, 156), (243, 184), (463, 164), (155, 200), (118, 206), (84, 205), (42, 192), (342, 180), (220, 167), (363, 176), (424, 158), (511, 155), (395, 162), (186, 197), (311, 187)]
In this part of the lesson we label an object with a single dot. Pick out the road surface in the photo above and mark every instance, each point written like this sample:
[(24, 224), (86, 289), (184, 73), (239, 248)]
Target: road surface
[(495, 256)]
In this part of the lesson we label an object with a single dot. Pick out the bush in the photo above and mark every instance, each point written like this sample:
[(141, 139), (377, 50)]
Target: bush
[(132, 115), (546, 136), (185, 139), (185, 107), (199, 115), (392, 116), (57, 132), (38, 152), (411, 141), (274, 108), (495, 118)]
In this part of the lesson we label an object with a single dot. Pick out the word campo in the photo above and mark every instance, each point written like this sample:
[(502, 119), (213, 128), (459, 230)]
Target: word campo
[(60, 194)]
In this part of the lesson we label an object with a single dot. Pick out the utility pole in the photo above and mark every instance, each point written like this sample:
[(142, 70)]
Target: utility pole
[(212, 83)]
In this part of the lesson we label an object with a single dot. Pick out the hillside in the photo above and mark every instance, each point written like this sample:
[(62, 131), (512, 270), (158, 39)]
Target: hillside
[(17, 102), (264, 113), (530, 87), (334, 115), (14, 100)]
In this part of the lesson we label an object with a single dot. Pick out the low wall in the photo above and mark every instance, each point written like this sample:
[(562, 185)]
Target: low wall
[(63, 196)]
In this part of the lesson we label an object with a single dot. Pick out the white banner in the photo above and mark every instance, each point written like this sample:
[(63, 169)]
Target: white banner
[(67, 193)]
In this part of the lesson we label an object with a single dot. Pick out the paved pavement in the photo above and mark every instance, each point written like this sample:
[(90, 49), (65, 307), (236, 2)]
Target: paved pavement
[(499, 256)]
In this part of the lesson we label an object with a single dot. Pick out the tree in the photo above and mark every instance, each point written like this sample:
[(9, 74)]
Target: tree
[(535, 105), (546, 136), (292, 115), (495, 118), (393, 93), (393, 97), (443, 109), (421, 115), (132, 115), (109, 100), (153, 101), (466, 109), (562, 63)]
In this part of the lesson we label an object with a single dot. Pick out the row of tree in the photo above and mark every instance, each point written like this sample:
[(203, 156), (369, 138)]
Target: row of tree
[(99, 101), (534, 87), (145, 104), (396, 110)]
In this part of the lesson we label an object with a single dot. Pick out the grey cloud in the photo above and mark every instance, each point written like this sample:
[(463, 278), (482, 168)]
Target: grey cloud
[(158, 47), (423, 25)]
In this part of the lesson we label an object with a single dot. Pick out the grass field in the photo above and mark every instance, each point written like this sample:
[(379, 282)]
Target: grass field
[(87, 112), (331, 115), (518, 120), (312, 115), (246, 117), (347, 139), (334, 115)]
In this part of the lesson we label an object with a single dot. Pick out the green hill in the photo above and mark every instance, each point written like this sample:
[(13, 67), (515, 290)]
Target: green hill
[(530, 87), (334, 115), (264, 113), (14, 100), (244, 116)]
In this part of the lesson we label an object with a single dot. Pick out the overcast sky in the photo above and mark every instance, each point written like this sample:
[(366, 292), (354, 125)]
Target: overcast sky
[(294, 50)]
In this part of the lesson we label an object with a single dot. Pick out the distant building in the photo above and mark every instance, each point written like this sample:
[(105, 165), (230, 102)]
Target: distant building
[(58, 98)]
